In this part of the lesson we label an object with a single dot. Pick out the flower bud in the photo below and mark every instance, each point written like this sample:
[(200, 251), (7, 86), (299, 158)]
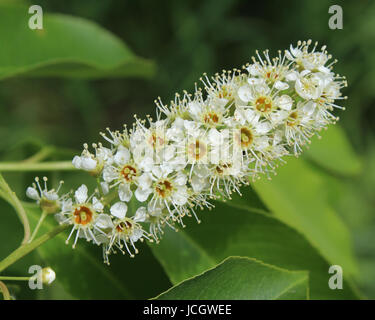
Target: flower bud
[(49, 206), (48, 275)]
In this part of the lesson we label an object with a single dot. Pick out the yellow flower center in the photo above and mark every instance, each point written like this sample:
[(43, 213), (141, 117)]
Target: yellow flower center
[(246, 137), (129, 172), (83, 215), (164, 188), (211, 118), (263, 104), (292, 119)]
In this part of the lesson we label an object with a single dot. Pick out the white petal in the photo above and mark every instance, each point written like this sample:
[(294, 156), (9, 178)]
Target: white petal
[(279, 116), (178, 123), (295, 52), (81, 194), (155, 208), (32, 193), (291, 76), (304, 72), (194, 108), (109, 174), (324, 69), (142, 194), (104, 153), (50, 195), (146, 164), (119, 210), (190, 126), (214, 136), (198, 183), (279, 85), (88, 163), (145, 181), (244, 93), (253, 69), (140, 215), (157, 172), (77, 162), (104, 221), (253, 81), (201, 171), (180, 179), (180, 196), (60, 218), (97, 205), (67, 205), (262, 143), (239, 115), (251, 115), (285, 102), (288, 55), (262, 88), (122, 155), (169, 152), (136, 235), (263, 127), (105, 187), (124, 192), (309, 108)]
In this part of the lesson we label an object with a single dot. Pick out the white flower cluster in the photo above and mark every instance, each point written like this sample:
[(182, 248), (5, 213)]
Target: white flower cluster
[(201, 146)]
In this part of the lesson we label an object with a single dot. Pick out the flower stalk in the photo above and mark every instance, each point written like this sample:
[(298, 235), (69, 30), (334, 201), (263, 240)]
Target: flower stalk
[(40, 221), (4, 278), (4, 290), (29, 247), (7, 194), (23, 166)]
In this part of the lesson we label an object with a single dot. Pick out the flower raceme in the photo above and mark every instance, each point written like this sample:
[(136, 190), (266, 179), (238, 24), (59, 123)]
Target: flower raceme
[(238, 127)]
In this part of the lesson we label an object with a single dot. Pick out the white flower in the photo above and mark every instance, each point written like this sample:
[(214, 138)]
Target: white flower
[(202, 146), (167, 189), (309, 85), (122, 173), (221, 89), (82, 214), (313, 60), (84, 162), (90, 162), (126, 231), (122, 156), (49, 201), (117, 138)]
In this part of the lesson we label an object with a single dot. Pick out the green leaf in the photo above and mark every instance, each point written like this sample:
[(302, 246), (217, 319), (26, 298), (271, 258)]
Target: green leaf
[(242, 278), (298, 196), (230, 231), (82, 273), (334, 152), (66, 47)]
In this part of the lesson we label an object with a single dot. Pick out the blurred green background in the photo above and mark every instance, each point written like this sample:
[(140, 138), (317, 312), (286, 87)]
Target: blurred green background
[(184, 39)]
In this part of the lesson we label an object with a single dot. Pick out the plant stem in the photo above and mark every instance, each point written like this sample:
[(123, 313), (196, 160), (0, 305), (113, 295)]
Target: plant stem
[(15, 278), (27, 248), (41, 219), (37, 166), (4, 290), (12, 199)]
